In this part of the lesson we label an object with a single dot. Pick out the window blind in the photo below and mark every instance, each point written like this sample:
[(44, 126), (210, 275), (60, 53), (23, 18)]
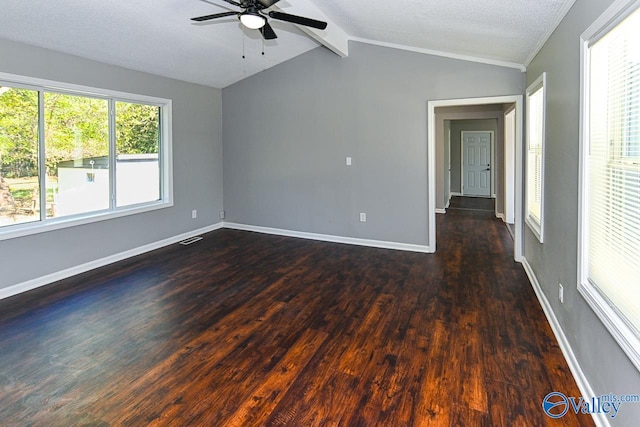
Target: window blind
[(613, 169), (535, 156)]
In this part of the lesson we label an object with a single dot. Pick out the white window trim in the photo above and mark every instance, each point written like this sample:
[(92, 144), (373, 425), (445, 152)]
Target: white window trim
[(536, 227), (166, 144), (604, 309)]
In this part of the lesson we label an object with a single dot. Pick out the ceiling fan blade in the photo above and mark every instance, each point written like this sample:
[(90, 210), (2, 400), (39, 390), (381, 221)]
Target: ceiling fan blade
[(214, 16), (268, 3), (267, 32), (235, 3), (300, 20)]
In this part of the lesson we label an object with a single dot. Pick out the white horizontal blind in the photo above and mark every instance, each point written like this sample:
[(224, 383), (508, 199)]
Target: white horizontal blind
[(613, 169), (535, 155)]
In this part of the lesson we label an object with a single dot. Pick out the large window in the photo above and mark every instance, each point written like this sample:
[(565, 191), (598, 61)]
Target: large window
[(610, 184), (72, 155), (535, 156)]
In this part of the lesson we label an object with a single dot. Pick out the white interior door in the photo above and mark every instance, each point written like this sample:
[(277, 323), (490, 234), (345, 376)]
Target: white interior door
[(476, 164)]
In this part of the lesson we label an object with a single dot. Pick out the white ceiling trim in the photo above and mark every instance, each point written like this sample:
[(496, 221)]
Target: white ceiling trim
[(566, 7), (333, 37), (470, 58)]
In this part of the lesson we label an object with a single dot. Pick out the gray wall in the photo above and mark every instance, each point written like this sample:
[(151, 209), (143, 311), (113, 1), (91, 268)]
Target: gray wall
[(604, 363), (287, 132), (197, 167)]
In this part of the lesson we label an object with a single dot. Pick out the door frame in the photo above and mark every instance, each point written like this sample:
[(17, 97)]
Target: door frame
[(447, 189), (509, 168), (518, 100), (492, 188)]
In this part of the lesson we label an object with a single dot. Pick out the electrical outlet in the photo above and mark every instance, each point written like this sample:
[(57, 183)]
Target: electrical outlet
[(221, 214), (561, 293), (363, 217), (348, 161), (194, 214)]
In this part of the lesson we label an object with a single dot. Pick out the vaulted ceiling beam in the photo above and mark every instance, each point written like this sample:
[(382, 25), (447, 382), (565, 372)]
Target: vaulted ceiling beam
[(334, 37)]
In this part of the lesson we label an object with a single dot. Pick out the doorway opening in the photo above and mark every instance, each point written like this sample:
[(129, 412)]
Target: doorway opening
[(508, 177)]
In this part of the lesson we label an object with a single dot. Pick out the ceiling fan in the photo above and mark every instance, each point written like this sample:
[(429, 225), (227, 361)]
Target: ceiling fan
[(252, 16)]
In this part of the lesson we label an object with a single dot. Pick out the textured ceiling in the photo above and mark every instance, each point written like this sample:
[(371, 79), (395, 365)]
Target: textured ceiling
[(157, 36), (501, 30)]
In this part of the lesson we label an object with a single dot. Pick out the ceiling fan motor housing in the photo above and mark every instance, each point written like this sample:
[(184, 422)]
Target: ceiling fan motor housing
[(252, 17)]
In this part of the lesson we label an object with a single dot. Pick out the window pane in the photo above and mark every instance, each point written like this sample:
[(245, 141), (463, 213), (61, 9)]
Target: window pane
[(613, 223), (137, 148), (19, 183), (535, 115), (77, 154)]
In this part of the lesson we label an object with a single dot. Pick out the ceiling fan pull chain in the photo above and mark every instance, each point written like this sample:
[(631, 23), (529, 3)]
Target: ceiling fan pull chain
[(263, 46), (243, 37)]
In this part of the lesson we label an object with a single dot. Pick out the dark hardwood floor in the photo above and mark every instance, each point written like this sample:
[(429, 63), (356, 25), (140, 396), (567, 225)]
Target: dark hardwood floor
[(472, 203), (244, 329)]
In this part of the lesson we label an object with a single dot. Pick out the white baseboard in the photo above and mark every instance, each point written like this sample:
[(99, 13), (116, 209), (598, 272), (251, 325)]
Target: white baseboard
[(501, 216), (511, 232), (331, 238), (456, 194), (441, 211), (91, 265), (581, 380)]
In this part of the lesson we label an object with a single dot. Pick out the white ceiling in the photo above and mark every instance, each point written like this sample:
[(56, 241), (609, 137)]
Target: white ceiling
[(158, 37), (497, 30)]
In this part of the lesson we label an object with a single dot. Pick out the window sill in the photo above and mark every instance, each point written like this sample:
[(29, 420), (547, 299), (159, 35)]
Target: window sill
[(535, 228), (621, 332), (37, 227)]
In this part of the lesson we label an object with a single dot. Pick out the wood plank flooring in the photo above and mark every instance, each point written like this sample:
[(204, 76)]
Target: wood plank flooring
[(472, 203), (243, 329)]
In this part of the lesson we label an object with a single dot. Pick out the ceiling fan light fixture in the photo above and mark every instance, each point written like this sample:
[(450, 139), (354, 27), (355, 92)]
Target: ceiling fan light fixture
[(252, 20)]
